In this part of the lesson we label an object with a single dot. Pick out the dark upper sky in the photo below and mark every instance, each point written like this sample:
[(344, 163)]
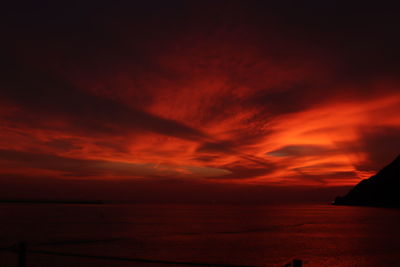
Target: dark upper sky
[(210, 93)]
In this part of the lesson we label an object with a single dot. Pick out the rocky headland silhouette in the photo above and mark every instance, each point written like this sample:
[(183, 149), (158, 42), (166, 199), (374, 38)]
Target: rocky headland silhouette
[(380, 190)]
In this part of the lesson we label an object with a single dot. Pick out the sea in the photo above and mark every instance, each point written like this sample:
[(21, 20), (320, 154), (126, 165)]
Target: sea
[(219, 235)]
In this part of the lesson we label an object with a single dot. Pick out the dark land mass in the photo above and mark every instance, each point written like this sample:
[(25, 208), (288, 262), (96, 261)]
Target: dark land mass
[(380, 190), (46, 201)]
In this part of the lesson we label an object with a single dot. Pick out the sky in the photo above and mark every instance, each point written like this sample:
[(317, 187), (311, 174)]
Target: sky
[(240, 101)]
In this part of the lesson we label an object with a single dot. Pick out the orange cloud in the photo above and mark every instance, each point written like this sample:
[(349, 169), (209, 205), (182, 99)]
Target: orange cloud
[(250, 100)]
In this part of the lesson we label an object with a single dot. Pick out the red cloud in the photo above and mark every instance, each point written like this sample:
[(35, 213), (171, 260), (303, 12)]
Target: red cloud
[(246, 98)]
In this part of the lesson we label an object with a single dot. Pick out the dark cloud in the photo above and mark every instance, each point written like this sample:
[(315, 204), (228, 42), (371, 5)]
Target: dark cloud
[(41, 96), (158, 190), (241, 170), (67, 167), (72, 167), (221, 147), (206, 158), (114, 145), (381, 145), (228, 147), (61, 144), (323, 178), (287, 100), (301, 151), (320, 165)]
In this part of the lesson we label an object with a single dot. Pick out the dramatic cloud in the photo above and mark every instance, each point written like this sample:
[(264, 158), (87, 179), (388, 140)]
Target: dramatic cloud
[(234, 92)]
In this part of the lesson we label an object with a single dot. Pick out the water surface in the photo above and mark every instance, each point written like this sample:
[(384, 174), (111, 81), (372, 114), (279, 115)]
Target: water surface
[(320, 235)]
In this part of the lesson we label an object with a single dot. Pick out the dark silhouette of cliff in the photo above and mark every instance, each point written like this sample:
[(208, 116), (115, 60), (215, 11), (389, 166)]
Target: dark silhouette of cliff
[(381, 190)]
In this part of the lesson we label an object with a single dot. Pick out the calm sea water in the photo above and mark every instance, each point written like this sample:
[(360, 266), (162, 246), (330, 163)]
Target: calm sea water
[(320, 235)]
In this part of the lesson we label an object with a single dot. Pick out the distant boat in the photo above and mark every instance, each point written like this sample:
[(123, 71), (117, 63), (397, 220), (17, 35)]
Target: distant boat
[(380, 190)]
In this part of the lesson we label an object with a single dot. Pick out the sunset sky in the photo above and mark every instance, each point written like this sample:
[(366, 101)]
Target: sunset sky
[(134, 96)]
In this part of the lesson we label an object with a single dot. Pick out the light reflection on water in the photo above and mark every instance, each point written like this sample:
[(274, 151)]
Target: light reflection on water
[(320, 235)]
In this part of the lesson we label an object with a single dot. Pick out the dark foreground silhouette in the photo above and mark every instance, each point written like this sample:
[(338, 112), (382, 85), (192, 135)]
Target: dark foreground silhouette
[(22, 249), (380, 190)]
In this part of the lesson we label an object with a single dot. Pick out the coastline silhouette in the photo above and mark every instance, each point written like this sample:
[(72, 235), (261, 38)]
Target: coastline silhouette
[(380, 190)]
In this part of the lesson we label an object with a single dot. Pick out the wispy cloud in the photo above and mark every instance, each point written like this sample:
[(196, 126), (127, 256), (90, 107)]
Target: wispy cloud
[(238, 96)]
